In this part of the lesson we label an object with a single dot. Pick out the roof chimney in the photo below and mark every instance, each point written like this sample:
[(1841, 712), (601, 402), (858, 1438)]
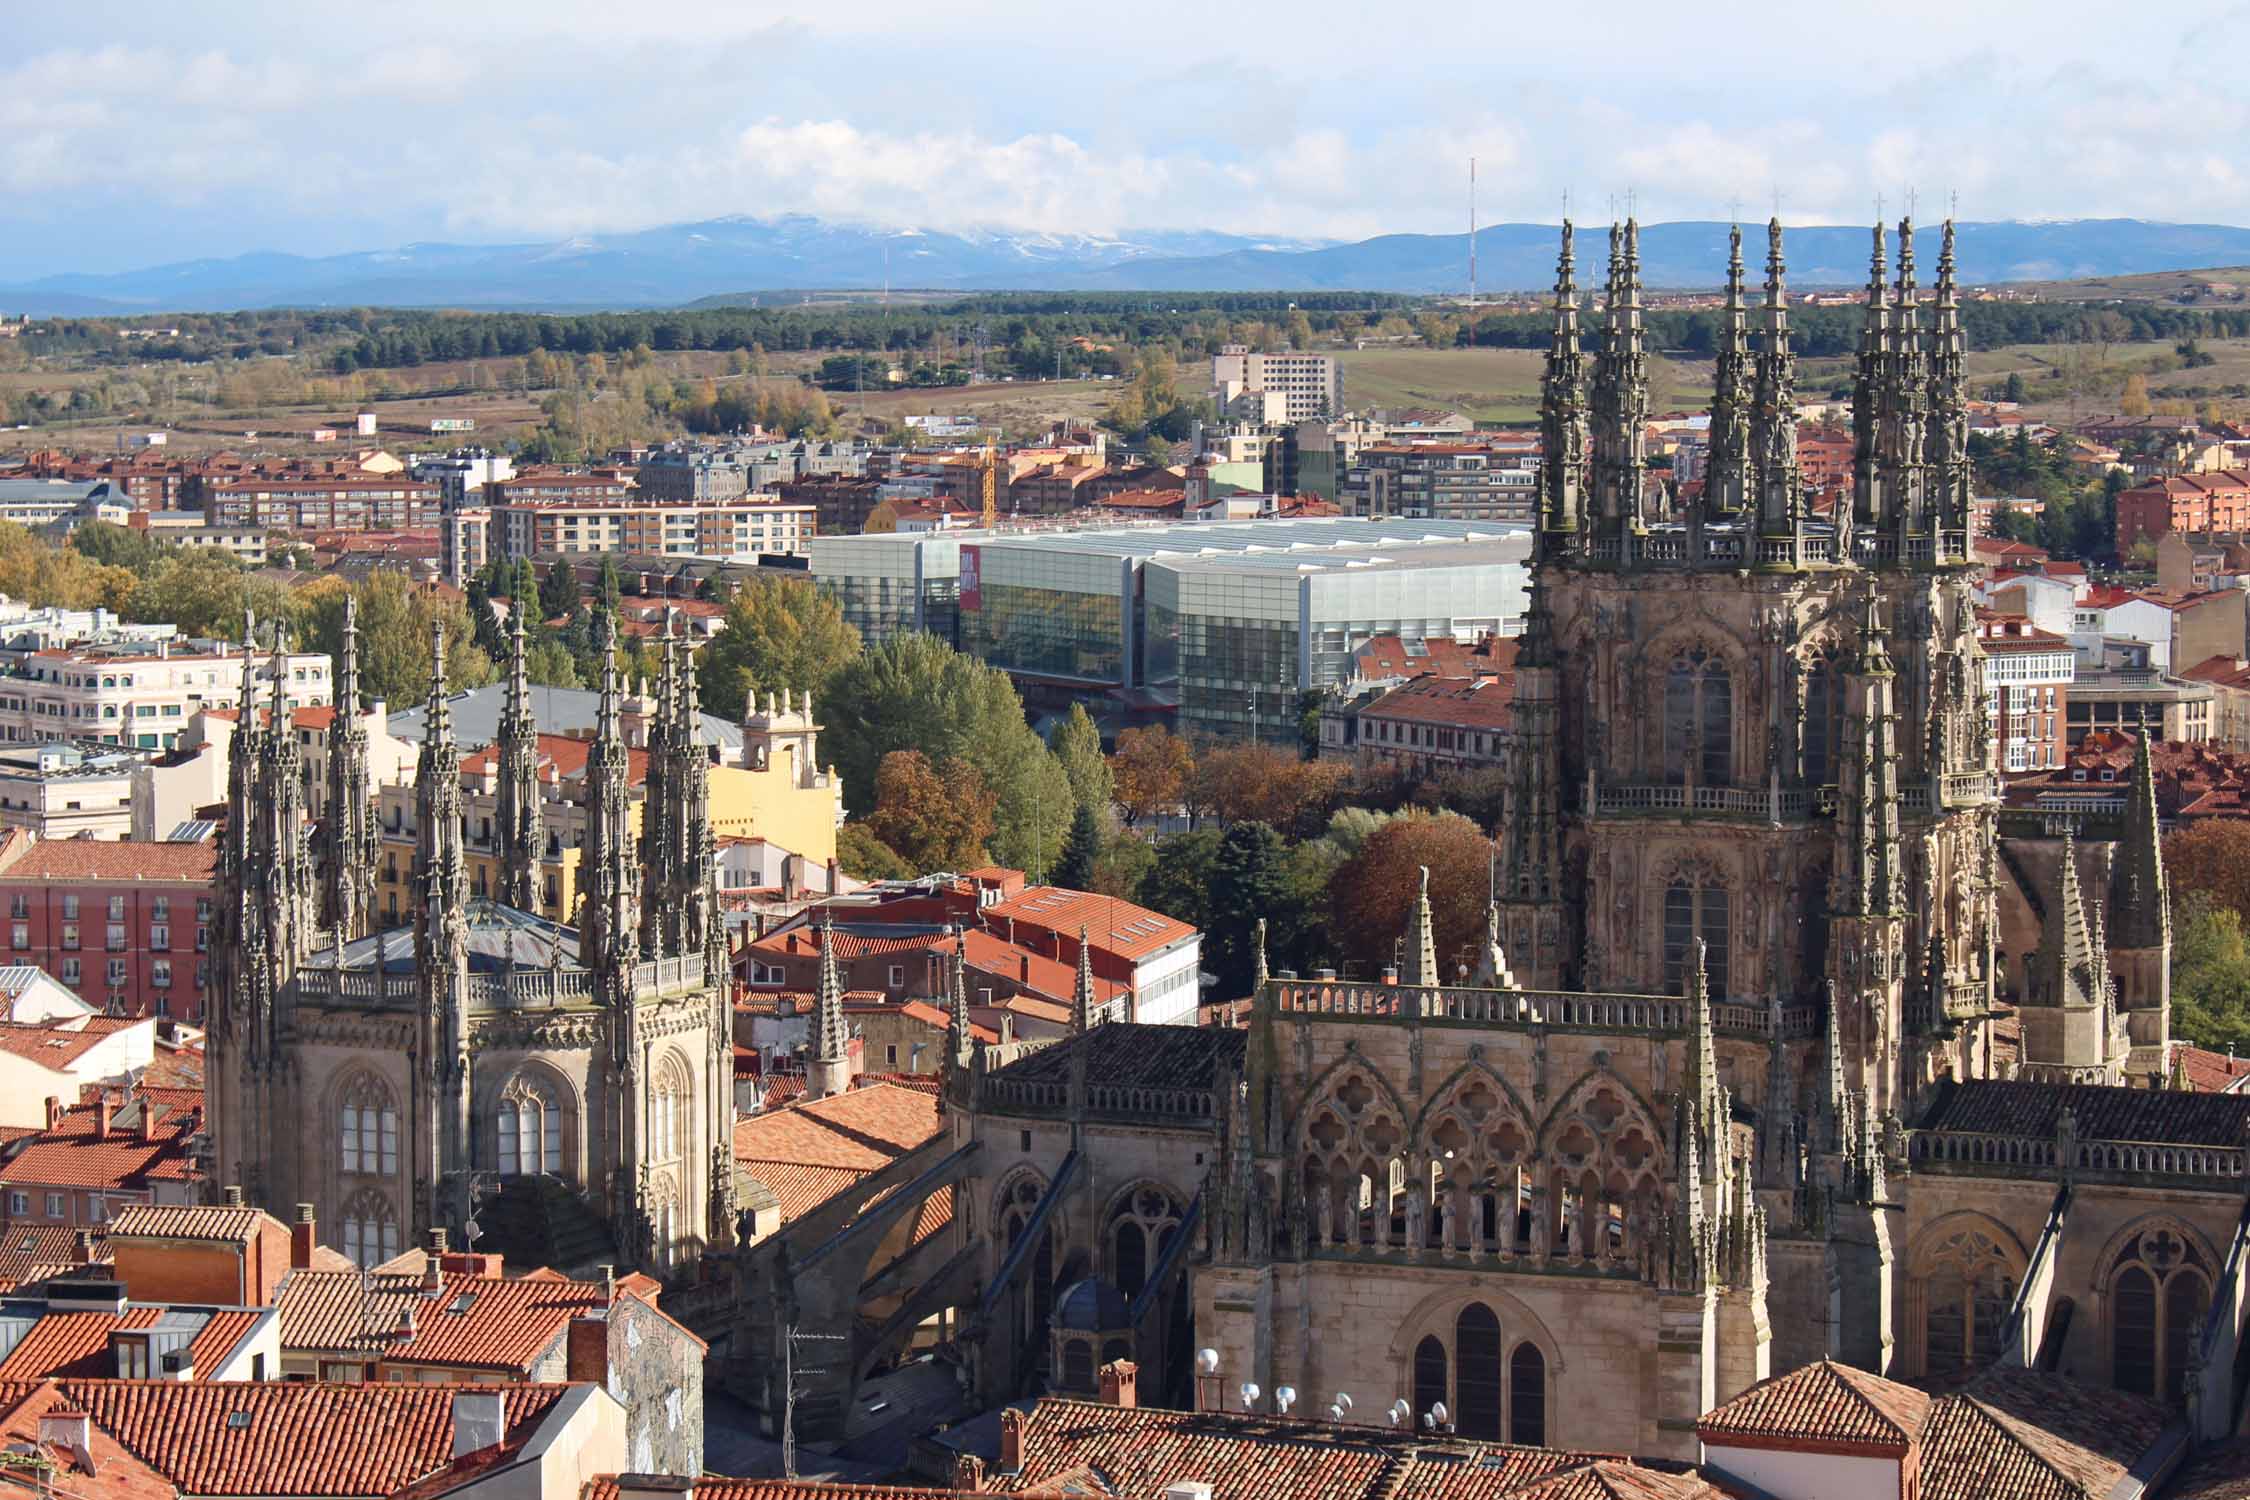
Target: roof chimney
[(101, 1118), (1012, 1426), (302, 1238), (54, 1111), (233, 1197), (1120, 1380), (145, 1126), (82, 1248), (433, 1275), (479, 1421)]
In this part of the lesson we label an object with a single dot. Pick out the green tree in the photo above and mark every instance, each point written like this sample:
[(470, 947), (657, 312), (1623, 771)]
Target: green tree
[(778, 635), (205, 593), (118, 546), (1078, 745), (1177, 881), (548, 663), (863, 856), (1249, 880), (1081, 851), (558, 591), (2210, 975), (914, 692), (396, 619), (2013, 389)]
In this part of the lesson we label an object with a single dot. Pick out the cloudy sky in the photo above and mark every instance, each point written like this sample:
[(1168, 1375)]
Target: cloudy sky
[(137, 133)]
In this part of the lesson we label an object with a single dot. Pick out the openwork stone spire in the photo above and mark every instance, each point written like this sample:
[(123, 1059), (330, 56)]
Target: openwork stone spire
[(521, 839), (1951, 476), (1620, 392), (1773, 422), (2140, 910), (1727, 481), (1421, 966), (1082, 993), (831, 1070), (609, 882), (1563, 431), (1870, 480), (349, 841)]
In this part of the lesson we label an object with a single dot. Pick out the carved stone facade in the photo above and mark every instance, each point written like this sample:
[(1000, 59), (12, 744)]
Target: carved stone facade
[(460, 1073)]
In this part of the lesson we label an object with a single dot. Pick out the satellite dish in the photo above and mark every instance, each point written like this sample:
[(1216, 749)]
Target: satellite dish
[(1207, 1361), (1344, 1399), (1429, 1422), (1284, 1397), (1393, 1415), (1438, 1411), (1335, 1414), (1249, 1394)]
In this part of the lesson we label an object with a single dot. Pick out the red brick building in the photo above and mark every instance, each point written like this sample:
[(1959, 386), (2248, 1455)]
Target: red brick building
[(2027, 676), (125, 925), (2194, 503), (93, 1161)]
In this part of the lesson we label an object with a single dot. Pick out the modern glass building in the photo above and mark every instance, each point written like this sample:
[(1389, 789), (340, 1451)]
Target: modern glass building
[(1217, 627)]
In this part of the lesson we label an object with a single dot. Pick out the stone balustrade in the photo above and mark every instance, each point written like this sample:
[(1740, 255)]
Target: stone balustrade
[(1978, 1149), (1753, 802), (1557, 1010)]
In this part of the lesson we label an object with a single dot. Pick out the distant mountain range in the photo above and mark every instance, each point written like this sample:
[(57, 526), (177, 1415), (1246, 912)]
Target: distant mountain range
[(726, 259)]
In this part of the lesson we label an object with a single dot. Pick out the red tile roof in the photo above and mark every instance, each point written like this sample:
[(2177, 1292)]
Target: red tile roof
[(99, 859), (476, 1322), (59, 1043), (809, 1151), (71, 1155), (1112, 925), (77, 1343), (27, 1248), (292, 1438), (2209, 1072), (218, 1226), (1455, 702), (1824, 1402), (1392, 656), (2031, 1436)]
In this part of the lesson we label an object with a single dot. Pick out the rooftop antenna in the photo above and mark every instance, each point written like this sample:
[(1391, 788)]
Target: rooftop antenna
[(1472, 237)]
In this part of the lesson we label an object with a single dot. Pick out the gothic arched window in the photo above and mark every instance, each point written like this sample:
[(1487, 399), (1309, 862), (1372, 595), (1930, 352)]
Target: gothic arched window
[(370, 1229), (1527, 1396), (1476, 1352), (1824, 720), (2161, 1290), (1698, 721), (1968, 1286), (528, 1126), (1017, 1204), (1141, 1228), (367, 1127), (664, 1219), (1429, 1374), (1695, 906), (669, 1111)]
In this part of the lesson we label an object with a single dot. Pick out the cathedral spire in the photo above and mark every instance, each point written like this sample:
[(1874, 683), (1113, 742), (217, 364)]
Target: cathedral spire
[(1870, 496), (518, 799), (2067, 956), (349, 841), (1726, 473), (1620, 392), (1773, 426), (960, 1041), (1905, 434), (831, 1069), (441, 952), (1562, 419), (1082, 1003), (608, 881), (1421, 966), (1952, 478), (2139, 899)]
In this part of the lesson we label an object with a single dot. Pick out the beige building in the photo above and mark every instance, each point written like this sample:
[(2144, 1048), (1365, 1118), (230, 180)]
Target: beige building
[(1245, 385)]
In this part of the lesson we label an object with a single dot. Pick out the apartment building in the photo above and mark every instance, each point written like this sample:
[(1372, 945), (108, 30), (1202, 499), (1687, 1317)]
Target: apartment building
[(676, 475), (324, 503), (2027, 678), (125, 926), (2194, 503), (760, 523), (1310, 385), (137, 696), (1440, 481), (464, 543), (59, 791)]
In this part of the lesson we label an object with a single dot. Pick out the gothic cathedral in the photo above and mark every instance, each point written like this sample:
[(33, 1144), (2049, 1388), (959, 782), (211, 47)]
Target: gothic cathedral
[(483, 1069)]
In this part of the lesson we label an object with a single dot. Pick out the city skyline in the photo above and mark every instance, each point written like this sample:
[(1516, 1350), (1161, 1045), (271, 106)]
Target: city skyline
[(245, 127)]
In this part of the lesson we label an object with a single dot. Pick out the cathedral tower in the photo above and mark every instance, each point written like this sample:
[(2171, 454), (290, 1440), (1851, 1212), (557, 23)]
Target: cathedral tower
[(348, 840), (518, 800)]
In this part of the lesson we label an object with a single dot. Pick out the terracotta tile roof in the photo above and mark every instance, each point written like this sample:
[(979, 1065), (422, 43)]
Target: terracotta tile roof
[(2032, 1436), (174, 1068), (77, 1343), (99, 859), (293, 1438), (1392, 656), (560, 754), (1112, 926), (230, 1226), (809, 1151), (58, 1044), (995, 957), (482, 1322), (26, 1248), (1085, 1447), (1825, 1402), (2167, 1117), (121, 1475), (1464, 702), (71, 1155), (707, 1488), (2209, 1072)]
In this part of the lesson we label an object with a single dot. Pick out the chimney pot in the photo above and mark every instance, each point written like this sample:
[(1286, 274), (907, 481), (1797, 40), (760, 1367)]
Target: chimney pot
[(1120, 1383), (146, 1126), (54, 1111), (302, 1237), (233, 1197), (101, 1118)]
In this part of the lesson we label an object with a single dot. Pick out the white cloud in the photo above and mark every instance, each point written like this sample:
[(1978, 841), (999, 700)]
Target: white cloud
[(234, 124)]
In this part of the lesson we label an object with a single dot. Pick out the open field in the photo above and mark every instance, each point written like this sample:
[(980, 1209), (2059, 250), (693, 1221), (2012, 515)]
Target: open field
[(1491, 385)]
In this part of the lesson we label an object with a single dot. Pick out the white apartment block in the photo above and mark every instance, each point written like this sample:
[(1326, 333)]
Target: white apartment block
[(141, 698), (1310, 385), (645, 528)]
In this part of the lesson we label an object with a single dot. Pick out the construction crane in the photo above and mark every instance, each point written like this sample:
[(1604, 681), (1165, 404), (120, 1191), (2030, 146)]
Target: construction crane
[(991, 486)]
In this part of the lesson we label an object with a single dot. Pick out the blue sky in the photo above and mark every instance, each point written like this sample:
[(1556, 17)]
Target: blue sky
[(132, 134)]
